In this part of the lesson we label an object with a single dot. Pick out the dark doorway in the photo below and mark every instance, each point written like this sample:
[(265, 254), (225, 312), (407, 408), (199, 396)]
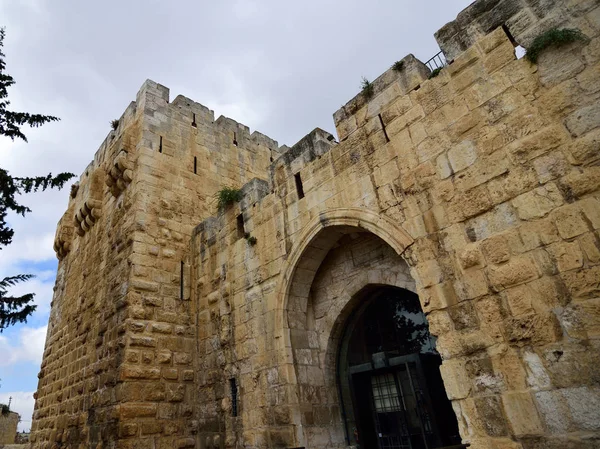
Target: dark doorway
[(390, 383)]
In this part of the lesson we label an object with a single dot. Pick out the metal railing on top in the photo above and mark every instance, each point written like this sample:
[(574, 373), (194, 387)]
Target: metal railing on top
[(437, 62)]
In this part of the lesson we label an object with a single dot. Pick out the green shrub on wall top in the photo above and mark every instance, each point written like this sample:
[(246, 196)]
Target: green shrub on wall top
[(367, 88), (435, 72), (227, 196), (553, 38)]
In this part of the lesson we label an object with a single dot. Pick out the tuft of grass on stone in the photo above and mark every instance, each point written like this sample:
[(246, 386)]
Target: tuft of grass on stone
[(227, 196), (251, 240), (398, 66), (114, 124), (435, 72), (553, 38), (4, 409), (367, 88)]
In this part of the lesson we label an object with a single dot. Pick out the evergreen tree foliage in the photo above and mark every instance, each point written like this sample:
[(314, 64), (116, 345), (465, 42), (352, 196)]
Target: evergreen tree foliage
[(15, 309)]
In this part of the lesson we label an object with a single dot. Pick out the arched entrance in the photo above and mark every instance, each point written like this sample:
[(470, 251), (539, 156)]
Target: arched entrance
[(390, 385), (339, 257)]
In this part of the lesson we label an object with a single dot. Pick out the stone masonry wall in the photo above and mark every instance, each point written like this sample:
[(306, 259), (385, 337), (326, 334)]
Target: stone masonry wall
[(523, 19), (119, 345), (8, 427), (171, 327), (491, 170)]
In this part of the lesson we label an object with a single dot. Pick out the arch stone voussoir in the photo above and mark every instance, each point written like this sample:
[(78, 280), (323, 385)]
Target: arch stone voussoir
[(313, 241)]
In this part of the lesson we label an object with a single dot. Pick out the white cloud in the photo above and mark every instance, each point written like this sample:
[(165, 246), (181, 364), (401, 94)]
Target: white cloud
[(29, 346), (42, 285), (21, 402)]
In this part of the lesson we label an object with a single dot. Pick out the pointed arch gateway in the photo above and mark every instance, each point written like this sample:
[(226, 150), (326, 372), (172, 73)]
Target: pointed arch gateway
[(346, 276)]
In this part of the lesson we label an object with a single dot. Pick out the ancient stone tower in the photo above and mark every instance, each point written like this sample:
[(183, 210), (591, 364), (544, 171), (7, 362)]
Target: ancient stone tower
[(454, 222)]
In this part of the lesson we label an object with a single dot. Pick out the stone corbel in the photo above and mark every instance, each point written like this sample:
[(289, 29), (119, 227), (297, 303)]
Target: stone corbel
[(119, 174), (87, 215), (63, 238), (90, 208)]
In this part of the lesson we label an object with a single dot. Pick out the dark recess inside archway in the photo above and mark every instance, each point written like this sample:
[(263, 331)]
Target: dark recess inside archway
[(388, 372)]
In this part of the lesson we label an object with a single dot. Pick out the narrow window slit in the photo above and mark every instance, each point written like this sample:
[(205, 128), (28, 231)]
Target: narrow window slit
[(519, 50), (194, 120), (511, 38), (235, 139), (241, 231), (387, 139), (160, 145), (299, 187), (234, 396), (195, 165), (181, 281)]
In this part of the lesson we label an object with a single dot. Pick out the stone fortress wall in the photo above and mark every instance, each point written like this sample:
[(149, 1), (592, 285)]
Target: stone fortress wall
[(478, 189), (8, 427)]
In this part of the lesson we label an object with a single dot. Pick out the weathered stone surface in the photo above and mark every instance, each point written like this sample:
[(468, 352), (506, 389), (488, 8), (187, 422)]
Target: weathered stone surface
[(477, 190), (8, 428)]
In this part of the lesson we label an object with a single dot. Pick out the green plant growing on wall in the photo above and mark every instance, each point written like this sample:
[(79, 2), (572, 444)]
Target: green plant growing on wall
[(435, 72), (227, 196), (398, 66), (114, 124), (367, 88), (250, 239), (553, 38), (4, 409)]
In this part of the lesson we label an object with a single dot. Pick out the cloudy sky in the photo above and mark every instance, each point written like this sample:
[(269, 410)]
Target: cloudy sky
[(280, 67)]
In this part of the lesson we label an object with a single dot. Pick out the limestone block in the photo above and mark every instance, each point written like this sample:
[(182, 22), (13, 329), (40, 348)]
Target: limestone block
[(551, 166), (496, 249), (484, 90), (519, 299), (590, 244), (569, 221), (516, 271), (554, 411), (471, 257), (522, 414), (137, 410), (539, 143), (471, 284), (568, 256), (498, 219), (585, 148), (443, 166), (538, 203), (470, 203), (533, 329), (582, 283), (430, 273), (558, 64), (462, 155), (500, 56), (579, 182), (584, 407), (463, 316), (491, 417), (409, 117), (583, 120), (509, 368), (439, 322)]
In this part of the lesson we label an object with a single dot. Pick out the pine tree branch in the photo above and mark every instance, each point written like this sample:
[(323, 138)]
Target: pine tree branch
[(14, 309)]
